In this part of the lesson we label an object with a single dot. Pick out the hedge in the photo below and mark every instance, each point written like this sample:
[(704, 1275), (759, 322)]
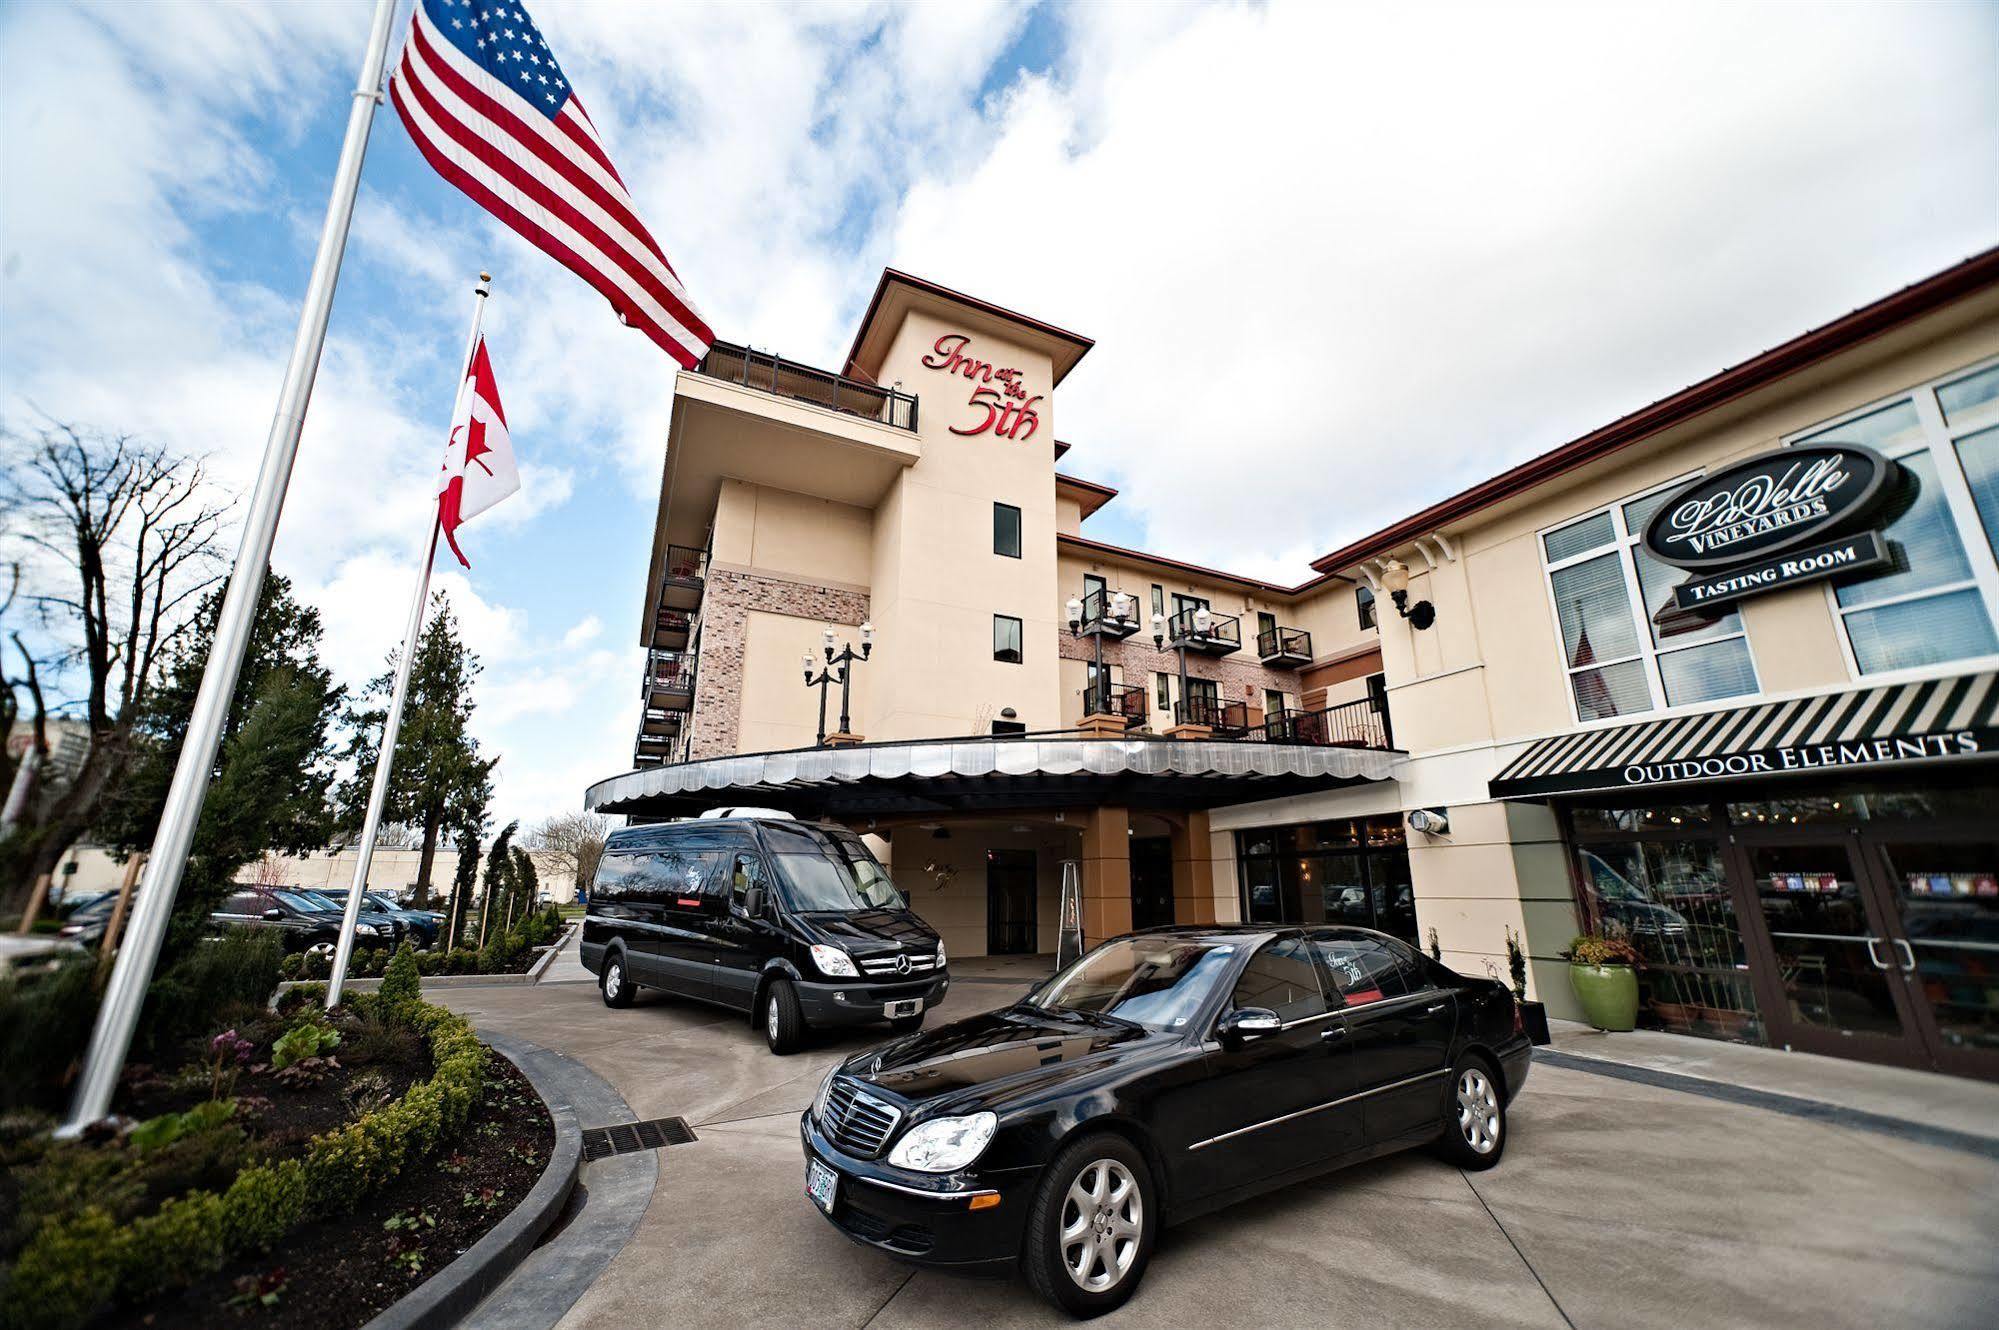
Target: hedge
[(67, 1271)]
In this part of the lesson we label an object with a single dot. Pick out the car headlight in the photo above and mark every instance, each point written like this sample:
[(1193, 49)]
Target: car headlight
[(833, 962), (940, 953), (819, 1100), (944, 1145), (368, 930)]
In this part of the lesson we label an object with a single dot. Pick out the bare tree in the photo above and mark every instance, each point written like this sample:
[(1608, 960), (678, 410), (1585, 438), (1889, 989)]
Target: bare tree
[(116, 539), (575, 841)]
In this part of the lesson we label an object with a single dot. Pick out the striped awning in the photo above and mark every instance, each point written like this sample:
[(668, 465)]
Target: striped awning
[(1893, 725)]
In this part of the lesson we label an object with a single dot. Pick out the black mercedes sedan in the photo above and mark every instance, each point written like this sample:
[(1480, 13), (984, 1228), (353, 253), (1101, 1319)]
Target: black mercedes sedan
[(1163, 1075)]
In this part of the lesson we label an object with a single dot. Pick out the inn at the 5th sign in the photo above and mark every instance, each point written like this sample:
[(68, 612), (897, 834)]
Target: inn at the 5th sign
[(999, 399)]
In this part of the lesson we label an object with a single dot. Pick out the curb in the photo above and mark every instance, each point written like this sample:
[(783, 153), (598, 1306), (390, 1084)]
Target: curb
[(548, 957), (448, 1295)]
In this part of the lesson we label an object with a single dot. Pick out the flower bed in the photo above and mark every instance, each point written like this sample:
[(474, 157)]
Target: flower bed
[(513, 951), (300, 1120)]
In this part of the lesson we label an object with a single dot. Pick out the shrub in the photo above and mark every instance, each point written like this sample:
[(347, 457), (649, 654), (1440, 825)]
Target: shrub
[(217, 980), (44, 1021), (59, 1279), (307, 1039), (170, 1127), (401, 990), (176, 1245), (262, 1205), (1593, 949), (308, 993), (292, 966)]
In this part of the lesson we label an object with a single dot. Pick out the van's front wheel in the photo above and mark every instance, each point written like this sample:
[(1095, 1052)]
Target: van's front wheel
[(783, 1021)]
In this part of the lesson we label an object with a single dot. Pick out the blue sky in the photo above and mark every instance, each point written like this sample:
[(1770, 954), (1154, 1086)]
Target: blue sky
[(1339, 260)]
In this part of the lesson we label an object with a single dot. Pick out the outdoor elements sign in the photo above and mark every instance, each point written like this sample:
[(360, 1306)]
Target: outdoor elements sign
[(1846, 555), (1769, 504)]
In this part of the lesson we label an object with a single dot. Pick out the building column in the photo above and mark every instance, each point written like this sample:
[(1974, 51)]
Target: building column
[(1106, 874), (1193, 870)]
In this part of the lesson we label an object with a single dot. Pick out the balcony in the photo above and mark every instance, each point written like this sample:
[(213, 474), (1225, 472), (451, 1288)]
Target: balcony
[(1357, 724), (1224, 719), (802, 383), (1284, 648), (1108, 613), (650, 752), (1128, 700), (658, 724), (671, 629), (1205, 632), (669, 681), (682, 580)]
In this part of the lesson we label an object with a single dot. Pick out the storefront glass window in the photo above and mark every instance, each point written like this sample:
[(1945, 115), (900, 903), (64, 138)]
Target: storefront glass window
[(1964, 397), (1665, 817), (1344, 871), (1980, 455), (1949, 899)]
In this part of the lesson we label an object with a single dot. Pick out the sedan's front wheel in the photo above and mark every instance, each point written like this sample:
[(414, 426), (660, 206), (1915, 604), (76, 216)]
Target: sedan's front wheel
[(1474, 1134), (1092, 1227)]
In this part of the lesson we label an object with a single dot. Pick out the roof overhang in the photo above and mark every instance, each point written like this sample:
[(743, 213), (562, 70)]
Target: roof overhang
[(973, 775), (898, 292), (1895, 725), (1088, 493)]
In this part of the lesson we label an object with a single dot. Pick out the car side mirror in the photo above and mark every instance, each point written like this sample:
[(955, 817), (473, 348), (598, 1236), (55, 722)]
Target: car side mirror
[(274, 914), (1246, 1023)]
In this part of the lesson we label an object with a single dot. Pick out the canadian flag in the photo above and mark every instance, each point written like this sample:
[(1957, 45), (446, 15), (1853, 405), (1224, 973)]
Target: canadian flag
[(479, 468)]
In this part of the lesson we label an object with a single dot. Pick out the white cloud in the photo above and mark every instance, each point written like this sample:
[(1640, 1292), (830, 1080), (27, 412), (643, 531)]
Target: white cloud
[(587, 630)]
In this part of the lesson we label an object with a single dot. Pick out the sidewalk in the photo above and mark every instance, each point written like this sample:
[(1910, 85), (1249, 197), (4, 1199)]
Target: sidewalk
[(1923, 1099), (567, 967)]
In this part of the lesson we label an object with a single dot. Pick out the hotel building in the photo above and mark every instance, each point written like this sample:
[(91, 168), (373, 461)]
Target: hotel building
[(1720, 673)]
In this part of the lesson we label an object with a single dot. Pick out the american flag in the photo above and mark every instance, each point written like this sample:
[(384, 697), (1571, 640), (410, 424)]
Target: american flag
[(482, 96)]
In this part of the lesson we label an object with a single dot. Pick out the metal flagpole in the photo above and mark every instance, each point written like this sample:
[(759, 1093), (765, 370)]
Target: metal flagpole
[(385, 760), (119, 1014)]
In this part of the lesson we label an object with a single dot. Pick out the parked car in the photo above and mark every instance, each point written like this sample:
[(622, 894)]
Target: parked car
[(308, 922), (792, 923), (1162, 1075), (85, 924), (33, 954), (420, 926)]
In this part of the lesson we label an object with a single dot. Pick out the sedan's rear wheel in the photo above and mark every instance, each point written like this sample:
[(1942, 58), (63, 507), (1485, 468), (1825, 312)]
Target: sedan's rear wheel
[(1474, 1127), (1092, 1227)]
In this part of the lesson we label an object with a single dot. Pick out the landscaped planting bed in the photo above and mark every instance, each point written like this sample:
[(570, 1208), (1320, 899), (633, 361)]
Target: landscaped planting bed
[(513, 951), (298, 1169)]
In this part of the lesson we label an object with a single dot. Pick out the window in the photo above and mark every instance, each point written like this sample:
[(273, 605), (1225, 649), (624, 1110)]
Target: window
[(1006, 530), (1009, 727), (1365, 969), (1626, 646), (1158, 599), (747, 873), (1282, 978), (1344, 871), (1006, 639), (1096, 596), (1363, 597), (1934, 601), (1266, 627), (616, 872), (1203, 702), (1273, 701), (1182, 604), (244, 903), (675, 874), (1162, 691)]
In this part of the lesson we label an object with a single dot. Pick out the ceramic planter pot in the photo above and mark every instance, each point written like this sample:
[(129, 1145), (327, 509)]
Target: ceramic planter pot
[(1608, 993)]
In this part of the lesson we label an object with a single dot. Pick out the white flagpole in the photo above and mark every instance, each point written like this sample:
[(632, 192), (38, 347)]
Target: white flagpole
[(385, 760), (118, 1016)]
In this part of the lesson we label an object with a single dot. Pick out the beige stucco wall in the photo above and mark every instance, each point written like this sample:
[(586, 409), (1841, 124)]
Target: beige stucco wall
[(762, 528), (779, 711), (957, 909)]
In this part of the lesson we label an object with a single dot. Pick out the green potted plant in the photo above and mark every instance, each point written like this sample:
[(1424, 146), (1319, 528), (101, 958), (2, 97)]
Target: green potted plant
[(1533, 1015), (1602, 971)]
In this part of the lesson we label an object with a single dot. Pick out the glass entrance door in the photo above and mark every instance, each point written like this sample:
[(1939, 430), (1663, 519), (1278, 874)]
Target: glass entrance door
[(1833, 956), (1945, 894)]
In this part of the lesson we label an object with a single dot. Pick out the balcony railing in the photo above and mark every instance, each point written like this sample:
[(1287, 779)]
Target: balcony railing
[(802, 383), (1128, 700), (1284, 648), (683, 578), (1101, 613), (671, 628), (669, 680), (1222, 635), (1226, 719), (659, 723), (1358, 724)]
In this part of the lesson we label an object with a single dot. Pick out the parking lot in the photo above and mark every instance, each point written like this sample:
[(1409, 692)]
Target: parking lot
[(1617, 1204)]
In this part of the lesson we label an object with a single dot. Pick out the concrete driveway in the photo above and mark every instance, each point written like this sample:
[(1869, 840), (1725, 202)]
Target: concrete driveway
[(1617, 1205)]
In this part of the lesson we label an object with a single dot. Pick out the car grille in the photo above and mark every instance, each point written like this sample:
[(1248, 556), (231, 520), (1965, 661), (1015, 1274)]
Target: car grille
[(877, 966), (911, 1239), (856, 1121)]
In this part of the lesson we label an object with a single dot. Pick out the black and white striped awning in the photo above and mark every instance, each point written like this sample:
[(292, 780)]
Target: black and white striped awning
[(1896, 724)]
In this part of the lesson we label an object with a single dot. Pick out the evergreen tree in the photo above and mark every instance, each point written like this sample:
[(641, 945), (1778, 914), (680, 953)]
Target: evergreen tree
[(438, 770), (527, 886), (462, 883), (499, 876), (272, 769)]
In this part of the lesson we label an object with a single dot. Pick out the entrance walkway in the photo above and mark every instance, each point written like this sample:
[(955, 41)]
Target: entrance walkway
[(1618, 1205)]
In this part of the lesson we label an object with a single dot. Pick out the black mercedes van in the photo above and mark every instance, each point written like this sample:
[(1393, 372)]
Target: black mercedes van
[(793, 923)]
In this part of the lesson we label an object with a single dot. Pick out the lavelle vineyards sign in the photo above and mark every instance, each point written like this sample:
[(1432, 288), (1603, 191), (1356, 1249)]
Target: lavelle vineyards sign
[(1773, 521)]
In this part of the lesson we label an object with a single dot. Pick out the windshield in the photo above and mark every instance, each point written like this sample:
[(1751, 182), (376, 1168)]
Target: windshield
[(843, 877), (1157, 982), (306, 900)]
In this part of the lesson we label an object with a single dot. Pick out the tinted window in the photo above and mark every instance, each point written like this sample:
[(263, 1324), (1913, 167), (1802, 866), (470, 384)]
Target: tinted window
[(300, 900), (1006, 639), (684, 874), (1281, 977), (617, 874), (748, 872), (1366, 969), (243, 902), (1006, 530), (1159, 982)]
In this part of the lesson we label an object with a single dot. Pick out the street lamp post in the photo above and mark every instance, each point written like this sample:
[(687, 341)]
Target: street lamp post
[(1120, 605), (844, 659)]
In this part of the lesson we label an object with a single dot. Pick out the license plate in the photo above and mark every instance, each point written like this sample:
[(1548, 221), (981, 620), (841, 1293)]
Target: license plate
[(820, 1183), (908, 1007)]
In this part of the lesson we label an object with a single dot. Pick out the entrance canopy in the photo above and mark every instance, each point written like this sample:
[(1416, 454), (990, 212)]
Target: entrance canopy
[(1935, 720), (972, 775)]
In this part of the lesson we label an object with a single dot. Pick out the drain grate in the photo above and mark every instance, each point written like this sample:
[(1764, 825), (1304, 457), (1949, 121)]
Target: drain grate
[(631, 1137)]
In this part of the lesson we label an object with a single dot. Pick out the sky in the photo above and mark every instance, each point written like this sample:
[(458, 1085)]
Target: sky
[(1339, 260)]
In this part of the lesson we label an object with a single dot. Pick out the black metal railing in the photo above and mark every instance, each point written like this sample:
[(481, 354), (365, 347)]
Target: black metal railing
[(1226, 719), (1359, 724), (684, 563), (1223, 630), (668, 672), (1289, 643), (672, 623), (1129, 700), (803, 383), (1101, 606)]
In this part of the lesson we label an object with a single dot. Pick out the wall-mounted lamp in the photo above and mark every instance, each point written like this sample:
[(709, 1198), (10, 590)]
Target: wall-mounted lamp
[(1395, 581)]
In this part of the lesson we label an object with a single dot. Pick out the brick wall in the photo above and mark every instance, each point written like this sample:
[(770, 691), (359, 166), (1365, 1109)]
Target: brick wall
[(1138, 660), (726, 603)]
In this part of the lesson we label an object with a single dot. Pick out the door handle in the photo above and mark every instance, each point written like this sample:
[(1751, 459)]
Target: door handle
[(1434, 1010), (1332, 1034), (1879, 964), (1908, 955)]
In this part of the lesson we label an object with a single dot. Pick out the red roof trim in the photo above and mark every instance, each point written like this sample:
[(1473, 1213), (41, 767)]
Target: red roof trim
[(1093, 496), (1968, 278), (1214, 574), (985, 306)]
